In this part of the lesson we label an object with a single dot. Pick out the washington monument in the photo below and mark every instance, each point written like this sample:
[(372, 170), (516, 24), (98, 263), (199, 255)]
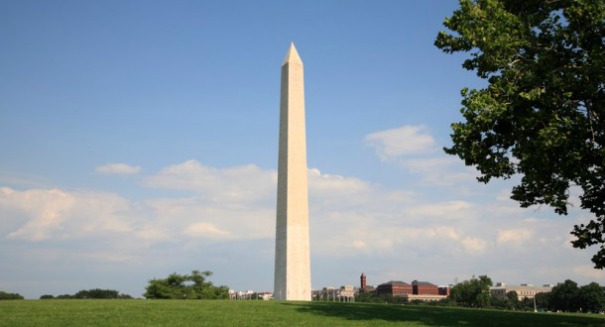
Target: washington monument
[(292, 262)]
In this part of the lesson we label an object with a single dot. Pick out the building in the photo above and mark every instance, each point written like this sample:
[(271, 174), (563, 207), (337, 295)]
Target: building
[(364, 287), (524, 291), (416, 291), (249, 295), (264, 295), (444, 290), (394, 288), (346, 293), (241, 295), (363, 283), (424, 297), (424, 288)]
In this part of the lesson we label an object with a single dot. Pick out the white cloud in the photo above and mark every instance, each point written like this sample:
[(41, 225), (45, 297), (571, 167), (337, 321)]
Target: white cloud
[(590, 272), (49, 208), (430, 165), (118, 169), (515, 236), (239, 184), (322, 184), (474, 245), (238, 220), (392, 231), (54, 213), (447, 210), (441, 170), (189, 175), (151, 233), (335, 191), (415, 150), (359, 244), (398, 142), (338, 203), (206, 229)]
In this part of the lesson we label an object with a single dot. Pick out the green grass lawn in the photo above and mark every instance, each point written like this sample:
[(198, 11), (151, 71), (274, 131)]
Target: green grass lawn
[(265, 313)]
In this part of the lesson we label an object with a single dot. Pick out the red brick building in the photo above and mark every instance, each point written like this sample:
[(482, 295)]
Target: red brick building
[(444, 290), (394, 288), (418, 290), (364, 282), (425, 288), (364, 287)]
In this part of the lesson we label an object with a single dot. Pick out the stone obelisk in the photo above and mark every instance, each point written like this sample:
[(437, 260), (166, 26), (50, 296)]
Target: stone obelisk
[(292, 259)]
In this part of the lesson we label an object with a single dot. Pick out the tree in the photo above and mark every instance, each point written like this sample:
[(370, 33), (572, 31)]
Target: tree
[(512, 296), (472, 293), (543, 300), (369, 297), (542, 115), (97, 293), (592, 298), (65, 296), (10, 296), (564, 296), (202, 288), (513, 299), (194, 286)]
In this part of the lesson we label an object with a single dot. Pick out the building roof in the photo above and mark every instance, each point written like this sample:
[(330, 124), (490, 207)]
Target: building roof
[(514, 287), (421, 283), (395, 282)]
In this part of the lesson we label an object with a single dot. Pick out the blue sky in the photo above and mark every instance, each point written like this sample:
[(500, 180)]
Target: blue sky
[(139, 138)]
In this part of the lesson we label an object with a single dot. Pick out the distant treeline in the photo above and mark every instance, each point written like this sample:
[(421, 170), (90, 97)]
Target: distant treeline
[(175, 286), (10, 296), (96, 293)]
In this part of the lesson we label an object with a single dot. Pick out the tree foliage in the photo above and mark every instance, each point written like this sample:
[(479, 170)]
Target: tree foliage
[(373, 297), (10, 296), (512, 297), (592, 298), (564, 296), (95, 293), (472, 293), (543, 300), (511, 301), (567, 296), (542, 115), (194, 286), (98, 293)]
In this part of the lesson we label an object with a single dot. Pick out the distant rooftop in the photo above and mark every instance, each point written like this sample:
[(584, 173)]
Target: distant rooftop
[(395, 282), (422, 283)]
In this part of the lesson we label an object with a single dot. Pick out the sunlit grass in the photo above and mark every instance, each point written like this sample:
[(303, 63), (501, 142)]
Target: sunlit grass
[(265, 313)]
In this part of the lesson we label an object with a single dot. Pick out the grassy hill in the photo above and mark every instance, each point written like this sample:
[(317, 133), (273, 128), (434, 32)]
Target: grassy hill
[(265, 313)]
